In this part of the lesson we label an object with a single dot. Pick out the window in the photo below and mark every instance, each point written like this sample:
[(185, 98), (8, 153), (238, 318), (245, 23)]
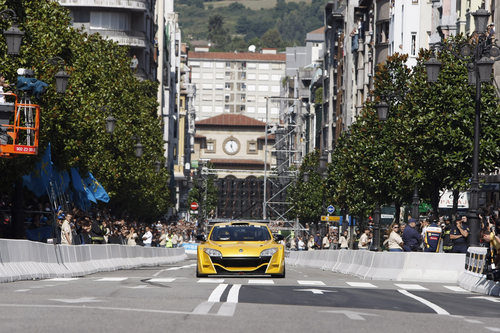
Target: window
[(251, 87), (226, 108), (228, 64), (228, 86), (263, 77), (206, 108), (242, 108), (251, 76), (195, 75), (219, 76), (251, 109), (207, 86), (264, 66), (219, 87), (252, 147), (243, 87), (207, 76), (194, 63), (219, 98), (413, 50), (218, 109), (207, 64), (263, 88), (219, 65), (226, 98), (243, 75), (110, 21), (252, 65), (276, 77), (275, 89), (210, 146)]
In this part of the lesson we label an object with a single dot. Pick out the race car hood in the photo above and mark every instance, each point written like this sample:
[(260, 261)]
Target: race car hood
[(247, 249)]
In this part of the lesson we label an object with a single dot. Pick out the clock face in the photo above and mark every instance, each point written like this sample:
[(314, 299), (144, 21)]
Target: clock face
[(231, 146)]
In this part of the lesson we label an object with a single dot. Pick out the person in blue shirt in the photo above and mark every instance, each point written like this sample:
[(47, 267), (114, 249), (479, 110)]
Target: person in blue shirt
[(411, 236), (459, 234)]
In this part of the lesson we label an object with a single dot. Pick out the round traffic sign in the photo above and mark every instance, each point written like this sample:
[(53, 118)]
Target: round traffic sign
[(194, 206), (330, 209)]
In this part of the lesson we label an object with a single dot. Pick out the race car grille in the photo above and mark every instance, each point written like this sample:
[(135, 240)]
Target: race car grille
[(241, 261)]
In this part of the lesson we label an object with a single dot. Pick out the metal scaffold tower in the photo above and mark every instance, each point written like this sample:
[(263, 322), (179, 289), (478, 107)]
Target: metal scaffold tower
[(281, 161)]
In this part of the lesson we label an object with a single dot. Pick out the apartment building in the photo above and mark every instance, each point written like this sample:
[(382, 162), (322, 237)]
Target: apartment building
[(130, 23), (236, 83)]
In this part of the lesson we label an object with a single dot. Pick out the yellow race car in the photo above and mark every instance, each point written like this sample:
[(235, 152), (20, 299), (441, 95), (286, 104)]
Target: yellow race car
[(241, 248)]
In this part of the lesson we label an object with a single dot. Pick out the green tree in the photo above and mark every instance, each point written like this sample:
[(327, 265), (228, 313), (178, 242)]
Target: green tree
[(74, 122), (272, 38), (217, 33)]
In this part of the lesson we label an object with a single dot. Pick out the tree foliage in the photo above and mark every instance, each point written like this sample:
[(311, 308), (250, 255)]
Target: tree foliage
[(74, 122)]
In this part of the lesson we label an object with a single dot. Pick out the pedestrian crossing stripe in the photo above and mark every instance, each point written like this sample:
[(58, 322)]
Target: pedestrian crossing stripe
[(455, 288), (256, 281), (164, 280), (112, 279), (410, 286), (361, 284), (310, 283), (62, 279), (210, 280)]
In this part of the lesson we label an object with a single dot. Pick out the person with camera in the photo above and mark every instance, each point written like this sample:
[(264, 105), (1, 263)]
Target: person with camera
[(493, 239), (459, 234)]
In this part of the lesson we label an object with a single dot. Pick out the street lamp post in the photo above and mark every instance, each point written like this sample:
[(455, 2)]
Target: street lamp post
[(13, 35), (480, 70)]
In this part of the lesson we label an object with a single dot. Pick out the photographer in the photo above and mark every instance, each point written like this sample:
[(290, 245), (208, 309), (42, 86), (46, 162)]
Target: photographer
[(459, 234), (493, 239)]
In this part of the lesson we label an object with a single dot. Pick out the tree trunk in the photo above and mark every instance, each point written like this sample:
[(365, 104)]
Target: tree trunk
[(435, 203), (17, 223), (456, 195)]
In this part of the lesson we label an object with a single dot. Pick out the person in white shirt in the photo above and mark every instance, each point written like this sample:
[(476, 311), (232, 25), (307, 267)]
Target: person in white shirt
[(364, 240), (344, 240), (325, 243), (66, 236), (147, 238), (301, 245), (395, 242)]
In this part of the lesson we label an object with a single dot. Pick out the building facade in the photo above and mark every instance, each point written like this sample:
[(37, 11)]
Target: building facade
[(236, 83)]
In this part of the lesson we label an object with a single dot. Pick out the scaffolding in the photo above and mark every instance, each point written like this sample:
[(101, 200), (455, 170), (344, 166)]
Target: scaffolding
[(286, 150)]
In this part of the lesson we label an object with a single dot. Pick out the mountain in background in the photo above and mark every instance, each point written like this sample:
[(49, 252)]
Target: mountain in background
[(235, 25)]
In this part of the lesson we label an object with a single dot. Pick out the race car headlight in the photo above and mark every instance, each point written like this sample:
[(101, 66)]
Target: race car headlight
[(213, 253), (269, 252)]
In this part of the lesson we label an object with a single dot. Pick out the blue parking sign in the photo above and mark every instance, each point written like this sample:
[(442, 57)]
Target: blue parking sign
[(330, 209)]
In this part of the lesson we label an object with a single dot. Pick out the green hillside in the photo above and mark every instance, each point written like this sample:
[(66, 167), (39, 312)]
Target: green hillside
[(234, 25)]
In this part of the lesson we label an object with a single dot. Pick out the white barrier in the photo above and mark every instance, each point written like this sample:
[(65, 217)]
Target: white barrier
[(473, 277), (396, 266), (26, 260)]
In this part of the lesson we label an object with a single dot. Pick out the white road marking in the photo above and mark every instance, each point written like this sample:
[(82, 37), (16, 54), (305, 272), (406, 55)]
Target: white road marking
[(436, 308), (361, 284), (256, 281), (62, 279), (316, 291), (173, 269), (217, 293), (77, 300), (473, 321), (22, 290), (456, 288), (310, 283), (111, 279), (227, 309), (493, 329), (142, 286), (167, 280), (203, 308), (232, 297), (210, 280), (353, 315), (410, 286), (488, 298)]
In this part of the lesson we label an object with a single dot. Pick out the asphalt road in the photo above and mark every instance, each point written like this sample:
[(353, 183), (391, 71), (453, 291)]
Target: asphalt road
[(171, 299)]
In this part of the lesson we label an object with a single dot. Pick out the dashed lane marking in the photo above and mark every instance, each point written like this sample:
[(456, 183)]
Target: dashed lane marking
[(410, 286), (62, 279), (165, 280), (22, 290), (112, 279), (493, 329), (310, 283), (255, 281), (435, 307), (456, 288), (361, 285), (210, 280), (142, 286), (473, 321)]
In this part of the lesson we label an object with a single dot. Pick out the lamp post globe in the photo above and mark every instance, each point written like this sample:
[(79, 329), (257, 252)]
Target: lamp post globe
[(13, 37), (481, 20), (138, 149), (485, 68), (157, 166), (110, 124), (62, 81), (433, 66), (382, 110)]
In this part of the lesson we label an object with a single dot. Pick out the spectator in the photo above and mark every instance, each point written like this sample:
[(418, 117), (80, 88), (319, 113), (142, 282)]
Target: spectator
[(326, 243), (163, 238), (97, 232), (446, 227), (134, 64), (344, 240), (459, 234), (432, 237), (147, 238), (411, 237), (66, 234), (131, 237), (310, 243), (317, 242), (175, 240), (394, 242), (364, 240), (293, 244), (300, 244)]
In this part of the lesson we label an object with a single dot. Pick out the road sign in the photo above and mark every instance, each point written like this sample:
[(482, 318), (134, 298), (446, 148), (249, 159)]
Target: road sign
[(331, 218), (330, 209), (194, 206)]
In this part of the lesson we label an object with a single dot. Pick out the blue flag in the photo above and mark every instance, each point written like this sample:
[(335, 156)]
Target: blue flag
[(62, 180), (97, 190), (38, 180), (80, 187)]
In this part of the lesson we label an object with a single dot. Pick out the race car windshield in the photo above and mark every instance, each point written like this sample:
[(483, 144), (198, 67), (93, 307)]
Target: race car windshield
[(240, 234)]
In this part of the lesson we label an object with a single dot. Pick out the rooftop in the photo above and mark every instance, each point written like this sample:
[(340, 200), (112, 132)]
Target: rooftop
[(246, 56), (231, 120)]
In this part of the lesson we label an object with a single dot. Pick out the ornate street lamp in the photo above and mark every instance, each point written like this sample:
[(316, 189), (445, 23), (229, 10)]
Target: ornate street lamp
[(157, 166), (479, 70), (382, 110), (433, 66), (13, 35), (110, 124), (138, 148), (62, 76)]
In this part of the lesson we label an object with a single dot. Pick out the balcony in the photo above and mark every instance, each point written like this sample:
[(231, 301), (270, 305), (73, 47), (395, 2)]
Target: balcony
[(129, 38), (141, 5)]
